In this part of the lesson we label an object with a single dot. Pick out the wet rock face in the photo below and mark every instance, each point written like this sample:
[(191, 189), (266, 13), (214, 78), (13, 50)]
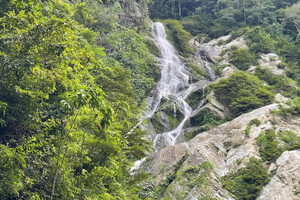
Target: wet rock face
[(286, 182)]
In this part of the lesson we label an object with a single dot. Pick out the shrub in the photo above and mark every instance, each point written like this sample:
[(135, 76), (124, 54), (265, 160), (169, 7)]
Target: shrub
[(259, 41), (268, 144), (292, 110), (242, 58), (278, 83), (291, 140), (247, 183), (242, 92)]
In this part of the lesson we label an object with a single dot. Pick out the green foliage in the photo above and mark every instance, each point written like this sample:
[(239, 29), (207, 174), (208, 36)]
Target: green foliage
[(205, 117), (147, 190), (130, 49), (54, 114), (83, 15), (255, 121), (272, 145), (196, 97), (189, 178), (269, 148), (291, 140), (242, 58), (247, 183), (164, 184), (197, 70), (278, 83), (259, 41), (11, 173), (178, 36), (242, 92), (292, 109)]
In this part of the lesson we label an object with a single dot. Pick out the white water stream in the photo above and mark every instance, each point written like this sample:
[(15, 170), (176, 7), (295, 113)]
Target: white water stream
[(174, 82), (173, 85)]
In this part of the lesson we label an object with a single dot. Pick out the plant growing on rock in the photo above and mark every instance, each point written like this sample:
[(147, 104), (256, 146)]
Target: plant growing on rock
[(269, 146), (247, 183), (242, 93)]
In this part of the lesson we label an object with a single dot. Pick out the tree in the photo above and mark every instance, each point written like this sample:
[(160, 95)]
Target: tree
[(293, 14)]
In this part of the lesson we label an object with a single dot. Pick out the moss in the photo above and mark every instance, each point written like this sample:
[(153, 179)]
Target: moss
[(191, 134), (205, 117), (195, 98), (237, 145), (173, 113), (155, 120), (227, 144), (197, 70)]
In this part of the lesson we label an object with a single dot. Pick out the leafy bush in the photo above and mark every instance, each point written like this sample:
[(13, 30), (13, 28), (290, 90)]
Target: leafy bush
[(272, 144), (247, 183), (293, 109), (259, 41), (242, 92), (269, 148), (242, 58), (291, 140), (131, 51), (278, 83)]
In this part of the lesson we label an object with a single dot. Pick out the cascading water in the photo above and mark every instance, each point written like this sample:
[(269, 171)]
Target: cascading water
[(174, 81), (173, 86)]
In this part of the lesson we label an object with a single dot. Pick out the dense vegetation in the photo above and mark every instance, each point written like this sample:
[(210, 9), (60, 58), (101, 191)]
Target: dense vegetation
[(74, 74), (64, 104), (242, 92), (247, 182), (272, 144)]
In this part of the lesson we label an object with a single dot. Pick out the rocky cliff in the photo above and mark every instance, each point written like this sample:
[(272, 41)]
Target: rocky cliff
[(197, 167)]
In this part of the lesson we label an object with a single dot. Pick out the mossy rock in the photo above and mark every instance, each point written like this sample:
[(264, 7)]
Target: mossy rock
[(156, 121), (204, 117), (195, 98), (174, 115), (167, 118)]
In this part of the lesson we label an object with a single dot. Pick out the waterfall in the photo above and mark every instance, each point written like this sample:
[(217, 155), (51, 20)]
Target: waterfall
[(174, 82), (174, 86)]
